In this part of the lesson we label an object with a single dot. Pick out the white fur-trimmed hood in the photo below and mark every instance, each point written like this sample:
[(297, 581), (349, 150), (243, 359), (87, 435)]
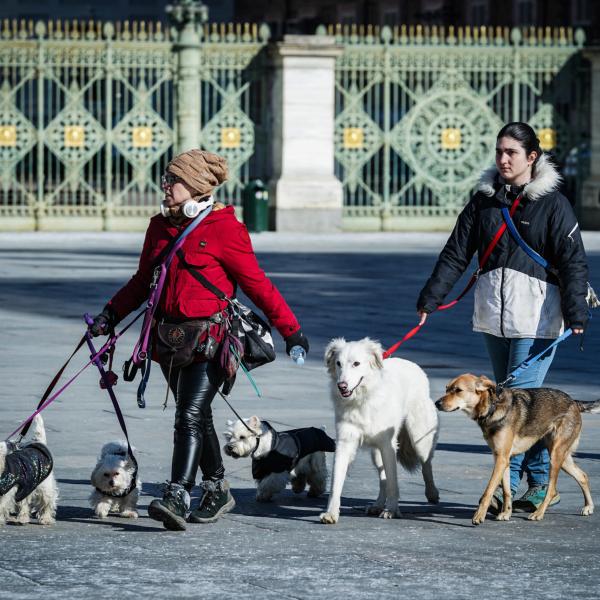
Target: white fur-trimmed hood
[(546, 179)]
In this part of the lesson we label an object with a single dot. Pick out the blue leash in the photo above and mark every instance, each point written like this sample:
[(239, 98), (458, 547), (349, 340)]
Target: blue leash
[(533, 359), (522, 243)]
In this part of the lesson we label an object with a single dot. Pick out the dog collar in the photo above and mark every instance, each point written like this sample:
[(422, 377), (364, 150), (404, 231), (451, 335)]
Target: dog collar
[(273, 441), (122, 494)]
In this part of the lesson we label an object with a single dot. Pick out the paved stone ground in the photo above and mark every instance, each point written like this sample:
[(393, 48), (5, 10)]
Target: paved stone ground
[(350, 285)]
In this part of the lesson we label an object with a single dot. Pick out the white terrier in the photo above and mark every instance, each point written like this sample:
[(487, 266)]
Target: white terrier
[(384, 404), (116, 486), (27, 481), (297, 455)]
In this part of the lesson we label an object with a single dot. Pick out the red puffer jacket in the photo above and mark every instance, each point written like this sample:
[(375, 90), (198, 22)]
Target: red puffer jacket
[(220, 248)]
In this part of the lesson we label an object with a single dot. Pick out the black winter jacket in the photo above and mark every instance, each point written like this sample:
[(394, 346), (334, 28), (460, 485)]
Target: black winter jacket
[(515, 297)]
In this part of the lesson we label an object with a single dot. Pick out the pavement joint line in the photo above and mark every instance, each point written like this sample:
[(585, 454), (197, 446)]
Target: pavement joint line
[(21, 576), (278, 592)]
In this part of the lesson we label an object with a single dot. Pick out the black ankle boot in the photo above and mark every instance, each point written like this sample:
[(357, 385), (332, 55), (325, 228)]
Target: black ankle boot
[(215, 501), (173, 507)]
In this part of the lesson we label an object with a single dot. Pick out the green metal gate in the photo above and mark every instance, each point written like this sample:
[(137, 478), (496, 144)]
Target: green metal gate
[(417, 111), (88, 118)]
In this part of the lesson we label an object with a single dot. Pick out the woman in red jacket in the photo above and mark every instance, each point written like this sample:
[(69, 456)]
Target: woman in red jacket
[(221, 249)]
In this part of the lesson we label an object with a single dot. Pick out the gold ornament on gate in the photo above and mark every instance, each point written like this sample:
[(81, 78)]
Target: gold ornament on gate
[(450, 138), (354, 138), (74, 136), (547, 137), (231, 137), (8, 135), (141, 137)]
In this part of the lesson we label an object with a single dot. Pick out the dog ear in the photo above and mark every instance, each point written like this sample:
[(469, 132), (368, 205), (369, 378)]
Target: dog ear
[(253, 422), (483, 384), (228, 434), (229, 423), (376, 351), (331, 351)]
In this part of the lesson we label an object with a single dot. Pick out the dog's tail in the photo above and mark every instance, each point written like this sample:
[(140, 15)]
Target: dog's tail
[(589, 407), (406, 453), (38, 432)]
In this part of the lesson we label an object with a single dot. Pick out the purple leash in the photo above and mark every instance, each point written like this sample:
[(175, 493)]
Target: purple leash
[(46, 400), (108, 384), (140, 351)]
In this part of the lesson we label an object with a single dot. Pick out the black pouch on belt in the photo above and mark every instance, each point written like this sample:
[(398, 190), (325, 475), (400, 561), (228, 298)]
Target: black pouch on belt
[(176, 344)]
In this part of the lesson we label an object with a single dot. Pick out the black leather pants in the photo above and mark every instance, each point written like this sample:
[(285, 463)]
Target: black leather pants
[(195, 441)]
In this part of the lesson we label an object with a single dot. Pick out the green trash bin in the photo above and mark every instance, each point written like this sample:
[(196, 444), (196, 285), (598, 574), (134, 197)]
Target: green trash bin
[(256, 205)]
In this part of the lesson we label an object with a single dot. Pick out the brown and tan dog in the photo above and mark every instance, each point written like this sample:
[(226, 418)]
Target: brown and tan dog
[(514, 419)]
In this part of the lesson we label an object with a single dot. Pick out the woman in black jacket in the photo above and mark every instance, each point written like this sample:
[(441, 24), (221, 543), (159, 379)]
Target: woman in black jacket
[(519, 305)]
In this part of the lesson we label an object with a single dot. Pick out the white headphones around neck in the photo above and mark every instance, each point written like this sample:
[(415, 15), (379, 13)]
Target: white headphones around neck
[(190, 208)]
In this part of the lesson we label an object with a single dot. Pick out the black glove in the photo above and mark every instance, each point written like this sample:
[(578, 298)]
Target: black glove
[(296, 339), (103, 322)]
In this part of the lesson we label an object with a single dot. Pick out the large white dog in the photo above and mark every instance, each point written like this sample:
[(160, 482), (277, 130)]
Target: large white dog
[(384, 404)]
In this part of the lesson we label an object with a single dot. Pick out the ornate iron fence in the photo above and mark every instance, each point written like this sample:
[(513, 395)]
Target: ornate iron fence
[(417, 110), (88, 117)]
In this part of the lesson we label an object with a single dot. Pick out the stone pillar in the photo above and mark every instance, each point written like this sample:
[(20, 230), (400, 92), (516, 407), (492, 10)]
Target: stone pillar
[(188, 16), (590, 197), (304, 193)]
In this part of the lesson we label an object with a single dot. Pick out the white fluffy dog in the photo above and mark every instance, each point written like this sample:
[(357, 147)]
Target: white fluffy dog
[(276, 457), (41, 502), (116, 486), (384, 404)]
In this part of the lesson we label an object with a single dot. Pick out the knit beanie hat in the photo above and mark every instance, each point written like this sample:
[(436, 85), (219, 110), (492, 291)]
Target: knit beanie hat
[(201, 170)]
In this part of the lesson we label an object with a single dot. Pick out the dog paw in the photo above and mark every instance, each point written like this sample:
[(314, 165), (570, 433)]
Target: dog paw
[(328, 518), (47, 520), (538, 515), (478, 517), (433, 497), (374, 509), (586, 511), (263, 498), (389, 514), (504, 516), (129, 514)]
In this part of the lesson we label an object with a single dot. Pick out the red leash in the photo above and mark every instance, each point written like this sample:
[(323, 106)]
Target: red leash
[(482, 261)]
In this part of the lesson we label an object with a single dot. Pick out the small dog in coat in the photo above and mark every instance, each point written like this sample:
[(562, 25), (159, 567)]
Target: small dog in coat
[(297, 455), (27, 483), (512, 420), (116, 486), (383, 404)]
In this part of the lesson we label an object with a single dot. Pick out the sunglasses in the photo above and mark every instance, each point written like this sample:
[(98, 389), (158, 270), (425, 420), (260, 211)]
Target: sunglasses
[(169, 180)]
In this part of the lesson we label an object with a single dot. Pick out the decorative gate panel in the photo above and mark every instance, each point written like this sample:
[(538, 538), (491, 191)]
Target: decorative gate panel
[(88, 118), (417, 111)]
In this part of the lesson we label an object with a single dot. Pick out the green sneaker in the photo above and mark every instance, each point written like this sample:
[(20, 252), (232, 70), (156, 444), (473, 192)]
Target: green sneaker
[(173, 507), (215, 502), (531, 500)]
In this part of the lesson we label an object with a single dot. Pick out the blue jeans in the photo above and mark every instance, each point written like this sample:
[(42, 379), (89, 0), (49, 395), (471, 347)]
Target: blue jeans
[(507, 354)]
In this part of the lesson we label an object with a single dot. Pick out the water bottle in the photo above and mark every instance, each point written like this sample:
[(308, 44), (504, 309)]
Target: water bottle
[(297, 354)]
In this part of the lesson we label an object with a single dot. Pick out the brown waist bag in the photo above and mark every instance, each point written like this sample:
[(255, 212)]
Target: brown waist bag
[(180, 344)]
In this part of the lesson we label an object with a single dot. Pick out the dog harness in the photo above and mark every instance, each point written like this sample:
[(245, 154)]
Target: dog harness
[(26, 468), (288, 447)]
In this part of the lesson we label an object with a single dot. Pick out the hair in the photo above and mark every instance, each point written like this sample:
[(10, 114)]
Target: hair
[(525, 135)]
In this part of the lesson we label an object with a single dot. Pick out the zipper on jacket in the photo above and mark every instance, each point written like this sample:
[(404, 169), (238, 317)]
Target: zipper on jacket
[(502, 303)]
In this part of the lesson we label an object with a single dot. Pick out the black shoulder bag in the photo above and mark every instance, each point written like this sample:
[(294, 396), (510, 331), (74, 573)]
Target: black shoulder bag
[(248, 339)]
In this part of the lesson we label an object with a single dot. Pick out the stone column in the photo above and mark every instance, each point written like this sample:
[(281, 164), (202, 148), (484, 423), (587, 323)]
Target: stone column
[(590, 197), (188, 16), (304, 193)]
